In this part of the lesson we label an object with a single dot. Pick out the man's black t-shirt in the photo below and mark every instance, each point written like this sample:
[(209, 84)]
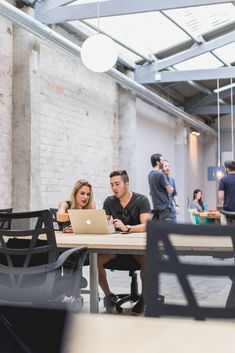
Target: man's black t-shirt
[(130, 214)]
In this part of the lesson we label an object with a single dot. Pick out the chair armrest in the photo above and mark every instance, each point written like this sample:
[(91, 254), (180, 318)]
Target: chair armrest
[(65, 255), (48, 267)]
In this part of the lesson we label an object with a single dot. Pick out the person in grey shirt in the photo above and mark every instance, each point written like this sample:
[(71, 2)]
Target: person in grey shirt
[(159, 191)]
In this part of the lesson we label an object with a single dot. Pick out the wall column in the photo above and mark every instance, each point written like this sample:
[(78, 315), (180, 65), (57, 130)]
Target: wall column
[(5, 112), (127, 134), (25, 126)]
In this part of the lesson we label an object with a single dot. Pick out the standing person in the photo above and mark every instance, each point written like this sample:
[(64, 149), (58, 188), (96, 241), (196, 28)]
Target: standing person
[(159, 191), (197, 202), (173, 194), (226, 191), (81, 198), (130, 211)]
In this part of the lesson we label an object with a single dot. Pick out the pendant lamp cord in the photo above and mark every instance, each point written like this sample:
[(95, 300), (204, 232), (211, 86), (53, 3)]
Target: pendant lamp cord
[(232, 138), (98, 16), (218, 121)]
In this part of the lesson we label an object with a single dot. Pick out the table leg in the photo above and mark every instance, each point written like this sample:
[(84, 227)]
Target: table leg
[(94, 296)]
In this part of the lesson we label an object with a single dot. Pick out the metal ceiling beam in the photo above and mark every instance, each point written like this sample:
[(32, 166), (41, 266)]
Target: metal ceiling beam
[(112, 8), (185, 75), (38, 29), (213, 110), (187, 54), (47, 5), (191, 104), (28, 2)]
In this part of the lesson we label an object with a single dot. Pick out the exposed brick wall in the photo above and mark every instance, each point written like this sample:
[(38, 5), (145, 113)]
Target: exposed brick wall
[(5, 112), (79, 126)]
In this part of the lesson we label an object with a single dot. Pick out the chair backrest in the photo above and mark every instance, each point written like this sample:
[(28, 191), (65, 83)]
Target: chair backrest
[(161, 238), (53, 212), (191, 216), (5, 224), (24, 257)]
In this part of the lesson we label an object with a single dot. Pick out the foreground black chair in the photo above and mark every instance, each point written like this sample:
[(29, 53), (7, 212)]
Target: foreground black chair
[(230, 216), (159, 240), (126, 263), (32, 273), (30, 269), (36, 330)]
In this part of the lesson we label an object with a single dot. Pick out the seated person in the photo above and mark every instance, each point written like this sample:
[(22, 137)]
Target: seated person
[(81, 198), (197, 202), (130, 212), (199, 206)]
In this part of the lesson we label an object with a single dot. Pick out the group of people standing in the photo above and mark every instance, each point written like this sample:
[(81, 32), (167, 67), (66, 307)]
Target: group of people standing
[(129, 212)]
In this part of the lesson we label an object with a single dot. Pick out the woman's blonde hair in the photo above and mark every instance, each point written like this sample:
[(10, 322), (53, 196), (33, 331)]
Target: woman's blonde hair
[(78, 185)]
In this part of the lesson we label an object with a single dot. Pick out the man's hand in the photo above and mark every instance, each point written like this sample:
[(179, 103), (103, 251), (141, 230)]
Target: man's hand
[(169, 189), (118, 224), (177, 209)]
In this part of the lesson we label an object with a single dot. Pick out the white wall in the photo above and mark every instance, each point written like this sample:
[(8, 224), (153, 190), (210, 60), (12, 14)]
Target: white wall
[(155, 134)]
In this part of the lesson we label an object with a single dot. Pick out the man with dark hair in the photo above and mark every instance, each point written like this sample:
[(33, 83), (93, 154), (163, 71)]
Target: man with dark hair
[(129, 211), (159, 191), (226, 191)]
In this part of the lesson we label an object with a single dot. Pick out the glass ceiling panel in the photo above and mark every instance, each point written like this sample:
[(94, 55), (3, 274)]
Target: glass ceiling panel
[(204, 61), (152, 32), (202, 19), (147, 33), (226, 53)]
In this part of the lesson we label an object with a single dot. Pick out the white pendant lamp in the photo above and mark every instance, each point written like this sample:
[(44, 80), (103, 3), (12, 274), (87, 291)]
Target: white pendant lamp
[(99, 53)]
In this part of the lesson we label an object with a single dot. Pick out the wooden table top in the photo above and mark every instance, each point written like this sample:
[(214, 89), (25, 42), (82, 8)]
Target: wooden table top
[(208, 214), (137, 241), (110, 333)]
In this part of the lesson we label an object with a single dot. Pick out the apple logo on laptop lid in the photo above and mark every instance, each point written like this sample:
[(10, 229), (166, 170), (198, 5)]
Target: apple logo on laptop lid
[(88, 221)]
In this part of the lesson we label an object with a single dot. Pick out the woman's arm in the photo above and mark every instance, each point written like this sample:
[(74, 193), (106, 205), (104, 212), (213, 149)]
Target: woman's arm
[(62, 213)]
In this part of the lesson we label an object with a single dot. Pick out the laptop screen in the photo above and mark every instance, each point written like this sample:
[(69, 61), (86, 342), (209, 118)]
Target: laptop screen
[(89, 222)]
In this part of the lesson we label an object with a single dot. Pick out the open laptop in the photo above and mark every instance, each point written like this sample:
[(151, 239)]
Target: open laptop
[(90, 222)]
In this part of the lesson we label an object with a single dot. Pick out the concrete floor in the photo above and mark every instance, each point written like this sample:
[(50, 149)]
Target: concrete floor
[(211, 290)]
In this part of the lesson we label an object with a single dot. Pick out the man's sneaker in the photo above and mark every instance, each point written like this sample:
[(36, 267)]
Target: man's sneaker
[(138, 308), (110, 302)]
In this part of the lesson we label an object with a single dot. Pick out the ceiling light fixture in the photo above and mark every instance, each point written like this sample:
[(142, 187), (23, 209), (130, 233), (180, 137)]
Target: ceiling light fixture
[(195, 133), (224, 88), (99, 53)]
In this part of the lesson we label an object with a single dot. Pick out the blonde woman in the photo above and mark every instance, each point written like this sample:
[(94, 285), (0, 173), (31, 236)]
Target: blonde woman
[(81, 198)]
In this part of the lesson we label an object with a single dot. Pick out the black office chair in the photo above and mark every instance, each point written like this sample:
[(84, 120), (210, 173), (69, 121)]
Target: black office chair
[(159, 240), (30, 269), (126, 263), (31, 273), (58, 226), (53, 212)]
